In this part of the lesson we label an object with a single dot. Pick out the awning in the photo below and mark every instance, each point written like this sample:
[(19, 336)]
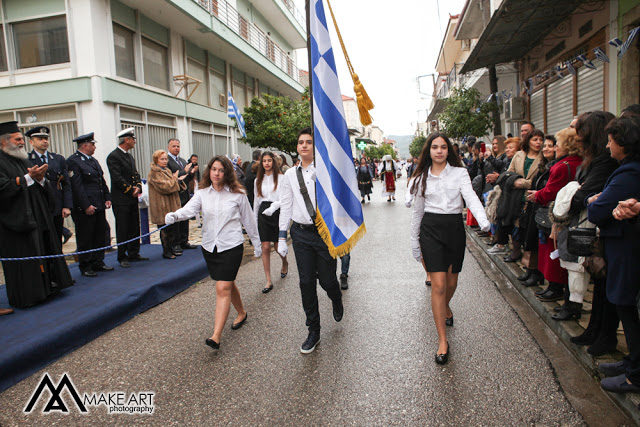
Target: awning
[(516, 28), (437, 108)]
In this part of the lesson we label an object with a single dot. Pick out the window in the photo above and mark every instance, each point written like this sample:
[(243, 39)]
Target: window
[(218, 87), (123, 45), (198, 71), (41, 42), (3, 54), (155, 64)]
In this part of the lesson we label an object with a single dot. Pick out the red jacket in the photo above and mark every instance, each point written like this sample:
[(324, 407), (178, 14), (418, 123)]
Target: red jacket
[(559, 176)]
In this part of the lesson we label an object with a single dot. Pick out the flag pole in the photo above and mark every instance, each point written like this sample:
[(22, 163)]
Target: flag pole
[(308, 11), (227, 153)]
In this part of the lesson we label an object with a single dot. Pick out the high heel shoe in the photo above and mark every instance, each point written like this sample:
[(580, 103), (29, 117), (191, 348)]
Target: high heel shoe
[(442, 359), (449, 320)]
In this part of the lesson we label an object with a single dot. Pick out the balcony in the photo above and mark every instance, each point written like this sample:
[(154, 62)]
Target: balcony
[(230, 17)]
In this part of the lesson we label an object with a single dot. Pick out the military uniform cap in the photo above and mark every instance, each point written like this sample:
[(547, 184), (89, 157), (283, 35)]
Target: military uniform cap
[(84, 138), (126, 132), (41, 131), (9, 127)]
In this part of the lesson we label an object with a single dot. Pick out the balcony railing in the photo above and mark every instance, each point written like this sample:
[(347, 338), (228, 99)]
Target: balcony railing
[(448, 84), (296, 13), (255, 37)]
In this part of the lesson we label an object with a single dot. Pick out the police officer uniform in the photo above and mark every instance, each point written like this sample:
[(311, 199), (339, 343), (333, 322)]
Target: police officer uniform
[(89, 189), (124, 180), (57, 175)]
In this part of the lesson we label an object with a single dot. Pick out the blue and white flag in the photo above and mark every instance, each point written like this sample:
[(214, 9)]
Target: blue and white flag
[(234, 113), (601, 55), (558, 70), (623, 49), (570, 68), (615, 42), (587, 63), (339, 216)]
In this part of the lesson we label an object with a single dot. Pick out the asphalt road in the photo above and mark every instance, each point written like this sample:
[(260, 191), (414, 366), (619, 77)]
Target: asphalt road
[(376, 367)]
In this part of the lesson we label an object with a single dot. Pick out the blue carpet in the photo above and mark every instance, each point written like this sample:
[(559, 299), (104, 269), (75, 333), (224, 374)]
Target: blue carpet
[(34, 337)]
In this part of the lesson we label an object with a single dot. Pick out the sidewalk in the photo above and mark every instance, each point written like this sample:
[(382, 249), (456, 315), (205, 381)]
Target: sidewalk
[(565, 329)]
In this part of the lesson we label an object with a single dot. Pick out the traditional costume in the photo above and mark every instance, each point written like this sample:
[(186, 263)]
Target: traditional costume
[(27, 229), (365, 183), (388, 177)]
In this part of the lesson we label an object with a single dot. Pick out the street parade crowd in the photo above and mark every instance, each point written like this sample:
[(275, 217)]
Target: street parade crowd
[(565, 205)]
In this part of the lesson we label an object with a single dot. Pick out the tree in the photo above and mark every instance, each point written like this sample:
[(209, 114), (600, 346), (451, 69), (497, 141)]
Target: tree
[(415, 148), (274, 122), (378, 152), (466, 115)]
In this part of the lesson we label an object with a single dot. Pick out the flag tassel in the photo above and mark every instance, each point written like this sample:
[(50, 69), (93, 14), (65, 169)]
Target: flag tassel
[(344, 248)]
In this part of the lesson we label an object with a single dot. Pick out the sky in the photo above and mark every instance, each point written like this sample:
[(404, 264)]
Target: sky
[(389, 44)]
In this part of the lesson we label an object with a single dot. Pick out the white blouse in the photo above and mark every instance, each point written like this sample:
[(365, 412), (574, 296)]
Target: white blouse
[(444, 195), (269, 194), (224, 214)]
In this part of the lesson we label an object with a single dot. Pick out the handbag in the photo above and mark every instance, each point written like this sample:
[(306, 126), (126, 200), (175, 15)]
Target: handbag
[(543, 222), (581, 241)]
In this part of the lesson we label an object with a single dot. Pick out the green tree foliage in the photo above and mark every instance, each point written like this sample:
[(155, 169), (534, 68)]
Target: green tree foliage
[(415, 148), (466, 114), (274, 122), (378, 152)]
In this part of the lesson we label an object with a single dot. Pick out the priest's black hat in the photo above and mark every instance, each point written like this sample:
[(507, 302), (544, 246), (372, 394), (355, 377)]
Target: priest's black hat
[(84, 138), (9, 127)]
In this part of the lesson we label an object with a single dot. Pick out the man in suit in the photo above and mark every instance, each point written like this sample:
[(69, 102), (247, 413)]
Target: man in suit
[(125, 188), (57, 175), (186, 173), (91, 198)]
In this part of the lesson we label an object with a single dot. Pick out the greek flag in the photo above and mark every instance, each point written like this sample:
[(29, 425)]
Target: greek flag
[(339, 213), (587, 63), (615, 42), (234, 113), (570, 68), (623, 49), (601, 55)]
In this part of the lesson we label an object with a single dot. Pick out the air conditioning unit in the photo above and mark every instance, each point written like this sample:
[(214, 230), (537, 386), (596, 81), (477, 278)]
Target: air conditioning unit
[(223, 100), (514, 109)]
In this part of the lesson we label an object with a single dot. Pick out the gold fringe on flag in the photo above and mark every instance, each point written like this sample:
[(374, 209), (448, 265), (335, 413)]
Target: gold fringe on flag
[(364, 102), (344, 248)]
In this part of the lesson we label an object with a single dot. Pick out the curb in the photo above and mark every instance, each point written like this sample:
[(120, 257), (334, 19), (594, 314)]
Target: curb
[(628, 402)]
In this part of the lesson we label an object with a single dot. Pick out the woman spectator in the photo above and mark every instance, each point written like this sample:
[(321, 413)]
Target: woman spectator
[(597, 166), (530, 239), (266, 207), (498, 158), (226, 210), (164, 198), (556, 175), (525, 163), (236, 160), (364, 173), (621, 241), (284, 166)]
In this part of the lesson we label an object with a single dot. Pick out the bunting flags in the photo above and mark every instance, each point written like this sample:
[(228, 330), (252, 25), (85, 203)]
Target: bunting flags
[(339, 219), (615, 42), (570, 68), (558, 71), (601, 55), (587, 63), (623, 49)]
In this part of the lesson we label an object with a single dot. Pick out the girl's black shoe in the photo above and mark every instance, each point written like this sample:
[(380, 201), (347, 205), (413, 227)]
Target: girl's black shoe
[(442, 359)]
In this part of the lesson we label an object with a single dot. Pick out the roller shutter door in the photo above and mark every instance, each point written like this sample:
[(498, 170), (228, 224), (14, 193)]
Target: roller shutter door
[(536, 109), (590, 89), (559, 104)]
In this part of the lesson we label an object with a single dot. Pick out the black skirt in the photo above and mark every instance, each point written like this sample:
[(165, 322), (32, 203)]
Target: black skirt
[(224, 265), (442, 242), (268, 225)]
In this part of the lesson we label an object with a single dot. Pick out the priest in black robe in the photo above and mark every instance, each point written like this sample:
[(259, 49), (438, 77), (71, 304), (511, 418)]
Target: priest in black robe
[(26, 225)]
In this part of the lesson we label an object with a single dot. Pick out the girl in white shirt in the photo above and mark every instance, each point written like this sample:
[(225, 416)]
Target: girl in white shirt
[(437, 229), (266, 207), (225, 209)]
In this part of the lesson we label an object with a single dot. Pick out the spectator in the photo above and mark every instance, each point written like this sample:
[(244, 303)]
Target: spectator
[(236, 160), (193, 184), (621, 247), (525, 128), (285, 165), (558, 173), (597, 165), (164, 197), (250, 175)]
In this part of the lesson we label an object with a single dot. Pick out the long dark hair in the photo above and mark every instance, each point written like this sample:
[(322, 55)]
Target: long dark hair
[(425, 161), (274, 171), (229, 179), (591, 132)]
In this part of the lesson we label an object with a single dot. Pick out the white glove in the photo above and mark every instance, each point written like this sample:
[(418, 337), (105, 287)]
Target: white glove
[(257, 252), (486, 227), (269, 211), (407, 204), (415, 250), (283, 250), (170, 218)]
